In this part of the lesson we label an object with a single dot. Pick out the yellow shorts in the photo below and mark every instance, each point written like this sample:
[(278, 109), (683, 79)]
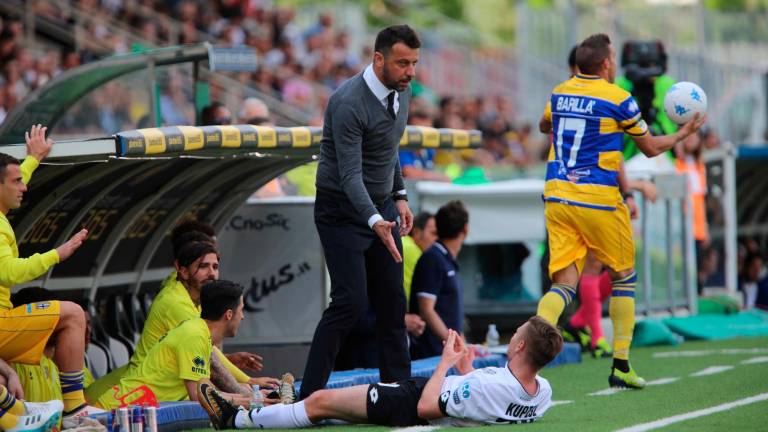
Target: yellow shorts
[(25, 330), (573, 230)]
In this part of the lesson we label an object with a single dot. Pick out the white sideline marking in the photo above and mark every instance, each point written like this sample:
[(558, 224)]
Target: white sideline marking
[(754, 360), (662, 381), (694, 414), (564, 402), (609, 391), (416, 429), (701, 353), (613, 390), (711, 370)]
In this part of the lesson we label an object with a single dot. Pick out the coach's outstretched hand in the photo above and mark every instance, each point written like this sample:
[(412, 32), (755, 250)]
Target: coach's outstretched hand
[(37, 145), (67, 249), (384, 231)]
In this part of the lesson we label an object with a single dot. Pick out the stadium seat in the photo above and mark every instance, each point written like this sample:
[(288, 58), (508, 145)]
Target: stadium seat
[(119, 351), (98, 360), (119, 326), (146, 303), (135, 315)]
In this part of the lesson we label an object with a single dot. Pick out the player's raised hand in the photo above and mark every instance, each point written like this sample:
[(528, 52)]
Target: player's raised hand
[(453, 350), (692, 126), (37, 145), (67, 249)]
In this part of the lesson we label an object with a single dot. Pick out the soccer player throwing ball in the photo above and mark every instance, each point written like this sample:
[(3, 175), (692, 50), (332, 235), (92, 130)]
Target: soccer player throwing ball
[(583, 206)]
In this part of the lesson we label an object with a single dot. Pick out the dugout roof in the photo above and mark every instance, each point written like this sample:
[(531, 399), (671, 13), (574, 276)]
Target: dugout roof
[(131, 188)]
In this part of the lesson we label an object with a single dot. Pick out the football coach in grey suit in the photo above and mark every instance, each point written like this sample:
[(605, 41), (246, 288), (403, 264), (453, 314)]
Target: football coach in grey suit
[(361, 209)]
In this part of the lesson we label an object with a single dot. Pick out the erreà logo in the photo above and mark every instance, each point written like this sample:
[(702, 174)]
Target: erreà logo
[(199, 365)]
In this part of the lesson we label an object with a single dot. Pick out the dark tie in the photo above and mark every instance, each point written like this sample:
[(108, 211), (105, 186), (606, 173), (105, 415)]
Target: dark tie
[(391, 103)]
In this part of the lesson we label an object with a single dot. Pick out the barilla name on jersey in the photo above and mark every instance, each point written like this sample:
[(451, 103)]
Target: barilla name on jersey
[(575, 104)]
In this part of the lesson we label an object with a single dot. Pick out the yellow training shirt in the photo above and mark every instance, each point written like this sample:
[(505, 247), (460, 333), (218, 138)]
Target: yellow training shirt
[(184, 354), (40, 382), (411, 254), (15, 270), (171, 307)]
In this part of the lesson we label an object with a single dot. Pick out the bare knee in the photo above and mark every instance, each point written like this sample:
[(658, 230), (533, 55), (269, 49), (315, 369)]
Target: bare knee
[(568, 276), (71, 315), (317, 405), (615, 275)]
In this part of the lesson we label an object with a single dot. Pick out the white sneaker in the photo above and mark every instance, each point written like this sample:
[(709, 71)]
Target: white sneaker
[(72, 420), (43, 417), (40, 407), (286, 389)]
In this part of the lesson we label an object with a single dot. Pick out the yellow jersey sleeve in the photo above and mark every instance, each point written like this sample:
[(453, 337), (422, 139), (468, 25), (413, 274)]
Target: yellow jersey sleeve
[(27, 167), (548, 111), (194, 359), (15, 270), (239, 375), (630, 119)]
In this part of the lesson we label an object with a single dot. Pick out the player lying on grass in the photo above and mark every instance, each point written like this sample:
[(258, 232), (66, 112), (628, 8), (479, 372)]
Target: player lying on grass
[(492, 395)]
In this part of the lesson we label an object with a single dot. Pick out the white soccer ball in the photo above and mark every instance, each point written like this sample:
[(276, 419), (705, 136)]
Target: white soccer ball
[(683, 100)]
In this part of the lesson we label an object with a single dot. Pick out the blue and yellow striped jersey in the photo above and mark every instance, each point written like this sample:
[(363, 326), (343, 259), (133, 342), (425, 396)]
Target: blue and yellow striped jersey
[(589, 117)]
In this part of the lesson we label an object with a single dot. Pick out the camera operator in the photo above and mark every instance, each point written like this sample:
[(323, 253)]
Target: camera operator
[(645, 67)]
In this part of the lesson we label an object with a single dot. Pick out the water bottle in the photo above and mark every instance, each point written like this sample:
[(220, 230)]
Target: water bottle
[(492, 337), (257, 399)]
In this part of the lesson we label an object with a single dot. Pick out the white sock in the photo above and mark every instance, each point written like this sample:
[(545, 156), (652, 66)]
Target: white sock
[(275, 416)]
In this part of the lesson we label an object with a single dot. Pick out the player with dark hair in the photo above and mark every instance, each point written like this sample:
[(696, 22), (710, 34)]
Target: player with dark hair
[(584, 209), (489, 396), (27, 328), (171, 368)]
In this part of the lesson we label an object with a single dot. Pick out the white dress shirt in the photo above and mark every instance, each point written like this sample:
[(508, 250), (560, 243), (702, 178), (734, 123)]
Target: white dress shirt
[(381, 92)]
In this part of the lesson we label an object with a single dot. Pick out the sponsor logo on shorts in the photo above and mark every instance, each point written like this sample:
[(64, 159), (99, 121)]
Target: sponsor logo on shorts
[(456, 398), (42, 305), (373, 395)]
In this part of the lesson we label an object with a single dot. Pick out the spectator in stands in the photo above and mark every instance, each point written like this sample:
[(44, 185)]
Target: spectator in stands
[(755, 283), (417, 164), (172, 367), (63, 321), (255, 112), (215, 114), (436, 288)]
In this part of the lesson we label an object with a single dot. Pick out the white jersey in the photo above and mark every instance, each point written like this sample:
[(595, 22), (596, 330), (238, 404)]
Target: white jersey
[(491, 395)]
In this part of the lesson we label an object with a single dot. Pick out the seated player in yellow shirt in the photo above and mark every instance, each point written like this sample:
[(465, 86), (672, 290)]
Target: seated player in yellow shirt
[(18, 415), (172, 367), (41, 381), (28, 328), (178, 300)]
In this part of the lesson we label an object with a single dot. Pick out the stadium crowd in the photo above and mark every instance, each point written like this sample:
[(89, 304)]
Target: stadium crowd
[(299, 66)]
